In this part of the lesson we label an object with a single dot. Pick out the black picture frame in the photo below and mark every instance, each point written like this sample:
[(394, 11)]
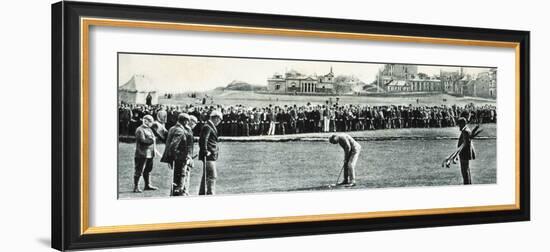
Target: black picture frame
[(66, 125)]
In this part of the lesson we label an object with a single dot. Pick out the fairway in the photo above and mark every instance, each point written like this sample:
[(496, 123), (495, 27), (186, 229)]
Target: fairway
[(260, 167)]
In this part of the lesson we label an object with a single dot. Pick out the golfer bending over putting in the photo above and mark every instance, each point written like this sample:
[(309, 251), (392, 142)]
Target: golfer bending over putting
[(351, 153)]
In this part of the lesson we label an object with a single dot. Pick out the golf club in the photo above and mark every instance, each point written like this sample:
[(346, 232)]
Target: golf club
[(337, 179)]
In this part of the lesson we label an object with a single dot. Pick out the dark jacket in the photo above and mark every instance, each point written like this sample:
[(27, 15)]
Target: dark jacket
[(175, 135), (184, 150), (468, 151), (208, 141), (243, 118), (144, 142)]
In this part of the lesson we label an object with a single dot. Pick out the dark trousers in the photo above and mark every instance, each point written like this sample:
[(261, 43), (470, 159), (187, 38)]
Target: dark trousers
[(465, 170), (301, 126), (179, 176), (233, 129), (244, 129), (123, 128), (292, 127), (143, 166), (256, 128), (265, 128), (281, 128), (208, 180)]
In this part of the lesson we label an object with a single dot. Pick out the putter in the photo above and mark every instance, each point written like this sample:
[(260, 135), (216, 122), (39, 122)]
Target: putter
[(337, 179)]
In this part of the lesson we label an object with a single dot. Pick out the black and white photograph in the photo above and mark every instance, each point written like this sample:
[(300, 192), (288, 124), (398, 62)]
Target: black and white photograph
[(193, 125), (237, 126)]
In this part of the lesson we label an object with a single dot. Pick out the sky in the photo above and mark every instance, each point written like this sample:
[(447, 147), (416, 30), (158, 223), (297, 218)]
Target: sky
[(175, 73)]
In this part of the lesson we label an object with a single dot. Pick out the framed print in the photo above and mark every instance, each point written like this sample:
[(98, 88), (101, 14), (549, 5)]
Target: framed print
[(179, 125)]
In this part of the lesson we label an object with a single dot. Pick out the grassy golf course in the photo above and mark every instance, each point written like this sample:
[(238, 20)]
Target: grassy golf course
[(261, 167)]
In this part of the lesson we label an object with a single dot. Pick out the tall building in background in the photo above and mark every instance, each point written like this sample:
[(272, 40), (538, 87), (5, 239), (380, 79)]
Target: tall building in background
[(295, 82), (406, 78), (399, 78)]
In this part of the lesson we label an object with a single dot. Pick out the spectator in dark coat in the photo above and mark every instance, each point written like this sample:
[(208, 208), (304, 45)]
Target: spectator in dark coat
[(208, 153)]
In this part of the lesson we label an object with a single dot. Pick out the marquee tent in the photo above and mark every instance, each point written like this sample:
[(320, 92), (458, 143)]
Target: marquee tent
[(136, 90)]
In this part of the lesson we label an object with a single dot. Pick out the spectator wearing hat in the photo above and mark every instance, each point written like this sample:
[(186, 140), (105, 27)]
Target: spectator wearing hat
[(292, 117), (317, 122), (233, 124), (185, 154), (271, 117), (256, 121), (173, 156), (125, 116), (300, 126), (144, 154), (243, 120), (325, 118), (208, 153), (162, 116)]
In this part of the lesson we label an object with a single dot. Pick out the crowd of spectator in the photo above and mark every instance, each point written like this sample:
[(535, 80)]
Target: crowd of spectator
[(240, 120)]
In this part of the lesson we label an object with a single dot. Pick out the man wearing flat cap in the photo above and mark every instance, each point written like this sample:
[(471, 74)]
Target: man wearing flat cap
[(185, 154), (144, 154), (174, 154), (467, 152), (208, 153)]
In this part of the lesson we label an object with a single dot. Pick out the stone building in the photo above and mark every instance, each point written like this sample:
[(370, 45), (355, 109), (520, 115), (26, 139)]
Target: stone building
[(484, 85), (451, 81), (487, 84), (297, 83), (395, 78), (399, 71), (405, 78), (424, 84)]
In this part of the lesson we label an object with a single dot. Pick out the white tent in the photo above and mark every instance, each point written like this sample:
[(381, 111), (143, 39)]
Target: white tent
[(136, 90)]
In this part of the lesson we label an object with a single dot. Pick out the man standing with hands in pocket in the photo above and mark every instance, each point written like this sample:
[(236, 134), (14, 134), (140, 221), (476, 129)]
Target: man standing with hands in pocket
[(208, 153)]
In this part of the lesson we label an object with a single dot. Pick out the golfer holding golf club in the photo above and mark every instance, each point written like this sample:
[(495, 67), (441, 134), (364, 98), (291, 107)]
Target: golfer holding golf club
[(467, 152), (351, 153), (208, 153)]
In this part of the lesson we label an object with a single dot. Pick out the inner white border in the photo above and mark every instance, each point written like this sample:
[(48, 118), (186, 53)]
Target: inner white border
[(106, 210)]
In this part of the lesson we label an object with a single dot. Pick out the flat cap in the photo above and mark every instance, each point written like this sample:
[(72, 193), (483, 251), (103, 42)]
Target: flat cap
[(149, 118), (216, 113), (183, 116), (193, 118)]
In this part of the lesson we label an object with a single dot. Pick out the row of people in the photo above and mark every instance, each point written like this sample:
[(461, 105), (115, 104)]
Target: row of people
[(271, 120)]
